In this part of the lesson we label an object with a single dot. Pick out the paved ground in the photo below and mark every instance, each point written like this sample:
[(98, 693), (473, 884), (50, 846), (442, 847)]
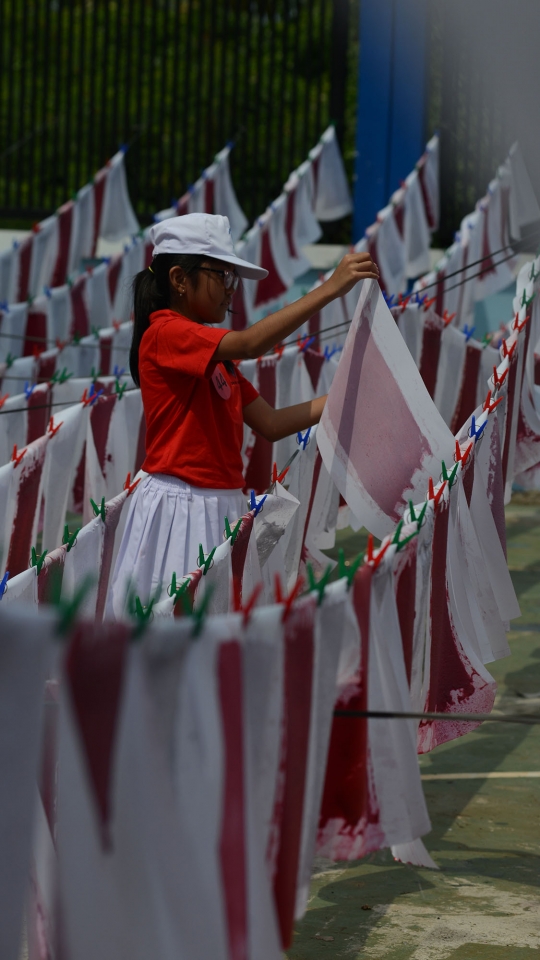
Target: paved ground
[(484, 902)]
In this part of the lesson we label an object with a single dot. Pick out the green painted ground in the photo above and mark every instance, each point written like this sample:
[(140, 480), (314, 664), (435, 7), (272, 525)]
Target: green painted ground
[(484, 903)]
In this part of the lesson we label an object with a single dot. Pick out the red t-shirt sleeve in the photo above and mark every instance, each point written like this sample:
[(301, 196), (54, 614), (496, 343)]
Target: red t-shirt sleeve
[(247, 390), (188, 347)]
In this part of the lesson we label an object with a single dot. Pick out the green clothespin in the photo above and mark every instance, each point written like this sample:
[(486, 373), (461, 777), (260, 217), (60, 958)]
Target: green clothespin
[(449, 477), (525, 301), (533, 275), (94, 375), (70, 538), (205, 564), (119, 388), (199, 615), (232, 534), (397, 534), (9, 361), (38, 561), (486, 340), (99, 511), (319, 586), (68, 609), (403, 543), (94, 330), (348, 571), (420, 518)]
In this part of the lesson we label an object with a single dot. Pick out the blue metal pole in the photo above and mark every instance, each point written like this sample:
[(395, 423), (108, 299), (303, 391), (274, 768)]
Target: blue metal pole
[(391, 95)]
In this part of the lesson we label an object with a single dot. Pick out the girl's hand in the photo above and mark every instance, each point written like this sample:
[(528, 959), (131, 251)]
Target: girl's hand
[(349, 271)]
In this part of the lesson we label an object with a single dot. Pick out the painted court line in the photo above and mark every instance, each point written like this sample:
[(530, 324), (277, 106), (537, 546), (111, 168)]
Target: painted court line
[(493, 775)]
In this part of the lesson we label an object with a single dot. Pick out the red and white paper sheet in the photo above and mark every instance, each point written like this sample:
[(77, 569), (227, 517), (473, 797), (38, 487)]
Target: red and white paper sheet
[(380, 435)]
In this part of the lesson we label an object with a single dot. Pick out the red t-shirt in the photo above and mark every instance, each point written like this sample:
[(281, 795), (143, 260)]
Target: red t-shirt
[(192, 405)]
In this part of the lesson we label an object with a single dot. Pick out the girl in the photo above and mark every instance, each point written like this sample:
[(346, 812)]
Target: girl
[(195, 399)]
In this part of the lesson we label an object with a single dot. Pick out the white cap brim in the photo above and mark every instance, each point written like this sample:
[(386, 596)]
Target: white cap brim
[(244, 269)]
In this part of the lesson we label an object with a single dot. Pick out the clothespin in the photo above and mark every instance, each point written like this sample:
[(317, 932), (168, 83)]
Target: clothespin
[(95, 332), (306, 344), (508, 352), (462, 457), (303, 440), (428, 303), (279, 477), (92, 396), (99, 511), (68, 609), (118, 371), (486, 340), (319, 586), (70, 538), (519, 326), (3, 584), (389, 299), (395, 538), (449, 477), (77, 337), (17, 457), (140, 614), (246, 608), (370, 556), (476, 432), (60, 344), (94, 375), (3, 400), (129, 486), (9, 361), (37, 560), (431, 491), (488, 405), (448, 317), (232, 534), (199, 615), (116, 324), (282, 597), (29, 389), (51, 429), (499, 380), (525, 301), (4, 306), (468, 332), (205, 563), (119, 388), (533, 275), (257, 507), (348, 570), (278, 350)]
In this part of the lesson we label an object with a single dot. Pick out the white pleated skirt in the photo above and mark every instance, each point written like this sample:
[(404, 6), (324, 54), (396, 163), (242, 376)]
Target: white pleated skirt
[(167, 521)]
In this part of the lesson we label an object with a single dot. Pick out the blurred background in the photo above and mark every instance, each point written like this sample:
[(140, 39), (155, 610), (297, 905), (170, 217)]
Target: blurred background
[(177, 79)]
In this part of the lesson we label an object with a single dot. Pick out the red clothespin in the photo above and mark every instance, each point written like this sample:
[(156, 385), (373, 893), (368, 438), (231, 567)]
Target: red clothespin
[(508, 352), (488, 405), (51, 429), (129, 486), (429, 303), (246, 608), (60, 344), (499, 380), (279, 350), (3, 400), (36, 228), (279, 477), (519, 326), (431, 491), (370, 557), (117, 324), (448, 317), (282, 597), (462, 457), (17, 457)]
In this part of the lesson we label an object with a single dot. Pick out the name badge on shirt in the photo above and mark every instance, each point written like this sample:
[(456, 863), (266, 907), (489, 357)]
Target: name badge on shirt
[(221, 384)]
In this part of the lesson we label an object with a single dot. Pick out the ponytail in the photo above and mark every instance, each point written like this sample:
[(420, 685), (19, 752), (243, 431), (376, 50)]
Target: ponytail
[(151, 291)]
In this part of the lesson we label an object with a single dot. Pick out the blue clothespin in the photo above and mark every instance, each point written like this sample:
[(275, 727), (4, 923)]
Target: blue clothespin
[(118, 371), (303, 441), (253, 505), (93, 395), (475, 432), (307, 344), (4, 306), (328, 354), (47, 292), (3, 584), (389, 299), (29, 389), (468, 331)]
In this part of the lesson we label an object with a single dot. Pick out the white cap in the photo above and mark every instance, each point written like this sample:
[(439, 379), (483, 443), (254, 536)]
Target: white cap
[(206, 234)]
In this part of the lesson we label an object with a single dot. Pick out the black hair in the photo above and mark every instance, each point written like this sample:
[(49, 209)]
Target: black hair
[(151, 291)]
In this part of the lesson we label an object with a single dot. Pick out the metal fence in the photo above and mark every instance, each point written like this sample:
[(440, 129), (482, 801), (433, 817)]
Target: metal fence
[(175, 80)]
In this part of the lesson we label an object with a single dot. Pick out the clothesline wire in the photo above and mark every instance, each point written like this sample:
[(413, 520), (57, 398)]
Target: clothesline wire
[(52, 343), (527, 718), (42, 380), (58, 403), (346, 323)]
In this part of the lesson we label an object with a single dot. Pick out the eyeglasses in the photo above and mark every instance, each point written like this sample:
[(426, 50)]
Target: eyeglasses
[(229, 278)]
